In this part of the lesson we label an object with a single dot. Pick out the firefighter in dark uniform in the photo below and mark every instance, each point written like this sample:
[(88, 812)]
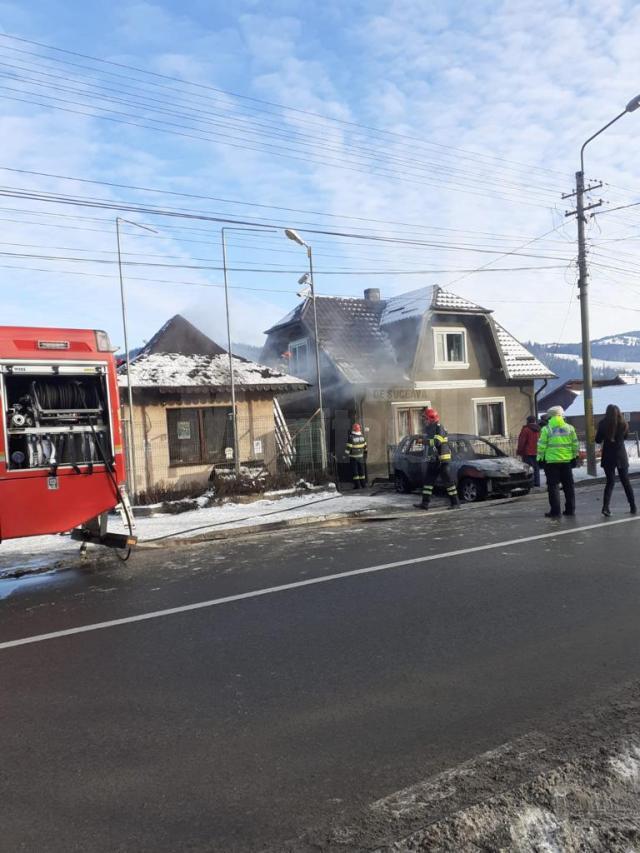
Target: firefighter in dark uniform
[(438, 458), (357, 453)]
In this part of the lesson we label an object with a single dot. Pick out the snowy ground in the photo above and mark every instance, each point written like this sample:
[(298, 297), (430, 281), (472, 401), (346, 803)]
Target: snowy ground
[(623, 366), (574, 789), (39, 551)]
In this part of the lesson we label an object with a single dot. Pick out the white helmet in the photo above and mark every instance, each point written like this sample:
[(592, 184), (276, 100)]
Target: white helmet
[(556, 412)]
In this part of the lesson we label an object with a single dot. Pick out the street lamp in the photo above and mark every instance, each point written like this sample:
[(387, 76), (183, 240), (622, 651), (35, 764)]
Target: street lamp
[(133, 487), (293, 235), (236, 445), (583, 285)]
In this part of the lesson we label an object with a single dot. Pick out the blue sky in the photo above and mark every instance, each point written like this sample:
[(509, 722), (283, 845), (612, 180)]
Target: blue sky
[(484, 106)]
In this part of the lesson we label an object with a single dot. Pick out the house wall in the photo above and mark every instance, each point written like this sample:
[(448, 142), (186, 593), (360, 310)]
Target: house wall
[(153, 467), (453, 390), (482, 357), (457, 408)]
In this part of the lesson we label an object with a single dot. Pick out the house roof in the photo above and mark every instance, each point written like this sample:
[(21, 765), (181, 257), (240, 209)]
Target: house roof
[(517, 361), (176, 370), (179, 335), (416, 303), (625, 397), (366, 339), (350, 332)]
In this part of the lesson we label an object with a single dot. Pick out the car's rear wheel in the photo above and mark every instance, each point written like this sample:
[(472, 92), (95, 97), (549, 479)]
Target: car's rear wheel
[(472, 489), (401, 483)]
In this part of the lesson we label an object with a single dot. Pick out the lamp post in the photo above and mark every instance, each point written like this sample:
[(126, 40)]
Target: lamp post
[(236, 445), (133, 483), (293, 235), (583, 287)]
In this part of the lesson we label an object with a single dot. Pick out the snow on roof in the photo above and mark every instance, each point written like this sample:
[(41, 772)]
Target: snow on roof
[(416, 303), (407, 306), (444, 300), (360, 338), (625, 397), (518, 362), (173, 370)]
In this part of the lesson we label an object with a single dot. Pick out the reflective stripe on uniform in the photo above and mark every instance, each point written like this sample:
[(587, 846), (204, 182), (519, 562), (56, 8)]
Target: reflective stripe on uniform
[(558, 442)]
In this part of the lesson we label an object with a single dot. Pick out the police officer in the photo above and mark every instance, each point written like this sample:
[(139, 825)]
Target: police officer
[(357, 453), (438, 458), (558, 452)]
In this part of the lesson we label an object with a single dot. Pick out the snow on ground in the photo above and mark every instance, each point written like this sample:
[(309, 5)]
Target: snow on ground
[(39, 551)]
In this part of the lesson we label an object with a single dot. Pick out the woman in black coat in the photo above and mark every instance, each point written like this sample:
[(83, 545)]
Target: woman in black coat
[(611, 434)]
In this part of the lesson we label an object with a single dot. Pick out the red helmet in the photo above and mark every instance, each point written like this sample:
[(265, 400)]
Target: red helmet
[(431, 416), (356, 428)]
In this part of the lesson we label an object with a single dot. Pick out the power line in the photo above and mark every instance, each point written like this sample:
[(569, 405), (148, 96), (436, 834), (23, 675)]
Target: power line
[(208, 88), (293, 271), (344, 163), (276, 131)]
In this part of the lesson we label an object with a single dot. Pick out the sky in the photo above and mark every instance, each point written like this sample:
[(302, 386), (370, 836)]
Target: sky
[(409, 142)]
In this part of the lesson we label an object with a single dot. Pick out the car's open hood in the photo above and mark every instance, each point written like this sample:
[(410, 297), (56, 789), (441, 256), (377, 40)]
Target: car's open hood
[(501, 467)]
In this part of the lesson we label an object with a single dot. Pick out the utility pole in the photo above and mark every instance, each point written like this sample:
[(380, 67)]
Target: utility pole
[(583, 285), (234, 412), (133, 482), (583, 295)]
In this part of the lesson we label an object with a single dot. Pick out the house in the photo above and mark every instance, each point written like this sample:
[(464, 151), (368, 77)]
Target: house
[(565, 393), (182, 415), (384, 360), (626, 396)]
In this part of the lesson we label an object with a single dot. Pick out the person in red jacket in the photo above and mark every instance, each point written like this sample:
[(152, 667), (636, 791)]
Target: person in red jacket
[(528, 446)]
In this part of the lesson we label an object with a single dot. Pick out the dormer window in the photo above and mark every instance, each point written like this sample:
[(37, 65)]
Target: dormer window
[(450, 345), (299, 360)]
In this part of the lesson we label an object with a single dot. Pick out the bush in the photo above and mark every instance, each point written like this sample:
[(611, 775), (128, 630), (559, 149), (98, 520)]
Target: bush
[(250, 481), (163, 492)]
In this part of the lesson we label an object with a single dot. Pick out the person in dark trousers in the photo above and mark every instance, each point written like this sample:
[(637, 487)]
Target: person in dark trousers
[(558, 452), (438, 458), (611, 434), (357, 453), (528, 446)]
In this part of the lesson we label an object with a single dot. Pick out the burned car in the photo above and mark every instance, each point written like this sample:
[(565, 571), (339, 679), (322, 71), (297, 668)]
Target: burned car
[(479, 468)]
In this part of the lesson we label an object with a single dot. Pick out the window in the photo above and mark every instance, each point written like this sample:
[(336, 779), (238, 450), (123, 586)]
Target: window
[(410, 420), (299, 361), (199, 436), (490, 417), (450, 347), (416, 447)]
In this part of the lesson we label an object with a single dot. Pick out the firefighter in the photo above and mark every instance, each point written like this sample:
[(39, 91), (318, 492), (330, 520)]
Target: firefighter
[(438, 458), (357, 453)]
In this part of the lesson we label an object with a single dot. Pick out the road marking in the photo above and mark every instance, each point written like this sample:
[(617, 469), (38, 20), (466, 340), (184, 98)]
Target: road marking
[(257, 593)]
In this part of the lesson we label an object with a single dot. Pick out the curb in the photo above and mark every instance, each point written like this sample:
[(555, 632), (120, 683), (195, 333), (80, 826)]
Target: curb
[(335, 519)]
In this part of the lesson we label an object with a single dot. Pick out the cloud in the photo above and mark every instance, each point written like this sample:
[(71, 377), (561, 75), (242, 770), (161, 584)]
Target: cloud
[(524, 82)]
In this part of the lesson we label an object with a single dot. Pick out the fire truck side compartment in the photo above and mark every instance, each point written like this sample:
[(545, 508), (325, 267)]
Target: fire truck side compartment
[(59, 422)]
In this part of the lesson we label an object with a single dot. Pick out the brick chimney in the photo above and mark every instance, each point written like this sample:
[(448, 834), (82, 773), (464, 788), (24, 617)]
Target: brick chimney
[(372, 294)]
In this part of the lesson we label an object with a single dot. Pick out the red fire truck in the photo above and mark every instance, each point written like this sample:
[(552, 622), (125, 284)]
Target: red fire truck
[(61, 461)]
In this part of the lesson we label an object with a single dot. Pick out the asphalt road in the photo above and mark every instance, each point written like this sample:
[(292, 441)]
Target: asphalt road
[(239, 724)]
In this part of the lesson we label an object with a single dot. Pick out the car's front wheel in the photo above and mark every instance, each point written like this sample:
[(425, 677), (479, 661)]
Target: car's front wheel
[(472, 489), (401, 483)]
